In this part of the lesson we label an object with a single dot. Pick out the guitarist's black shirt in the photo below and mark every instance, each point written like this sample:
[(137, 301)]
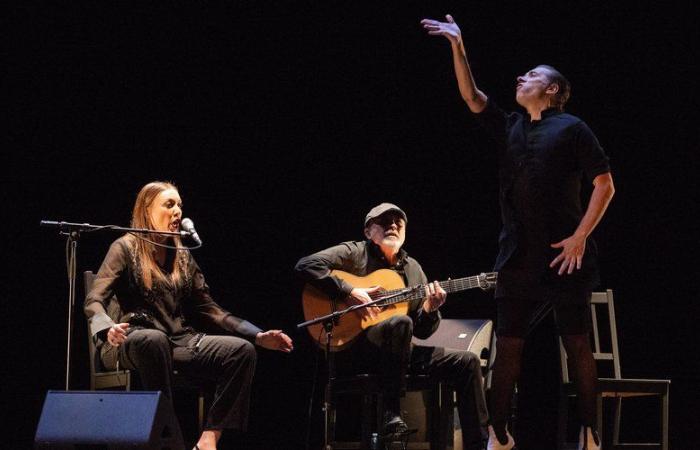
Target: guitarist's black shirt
[(541, 166), (362, 258)]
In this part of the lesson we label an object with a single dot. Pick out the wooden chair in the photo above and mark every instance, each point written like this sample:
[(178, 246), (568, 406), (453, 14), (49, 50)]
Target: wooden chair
[(616, 387), (440, 410), (438, 398), (121, 379), (100, 378)]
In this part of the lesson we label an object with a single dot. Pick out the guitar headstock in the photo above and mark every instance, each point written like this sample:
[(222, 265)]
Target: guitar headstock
[(487, 280)]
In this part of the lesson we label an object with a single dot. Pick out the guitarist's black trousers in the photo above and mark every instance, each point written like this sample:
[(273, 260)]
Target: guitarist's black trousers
[(386, 349)]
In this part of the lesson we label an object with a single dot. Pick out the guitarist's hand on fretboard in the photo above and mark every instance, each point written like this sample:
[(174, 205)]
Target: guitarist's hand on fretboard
[(435, 296), (360, 296)]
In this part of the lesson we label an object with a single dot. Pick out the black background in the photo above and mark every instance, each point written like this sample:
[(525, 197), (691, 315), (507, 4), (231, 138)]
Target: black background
[(283, 122)]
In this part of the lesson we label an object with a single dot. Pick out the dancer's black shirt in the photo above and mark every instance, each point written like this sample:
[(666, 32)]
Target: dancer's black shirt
[(541, 167)]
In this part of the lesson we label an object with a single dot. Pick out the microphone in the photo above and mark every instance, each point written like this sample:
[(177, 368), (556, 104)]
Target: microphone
[(187, 225), (50, 223)]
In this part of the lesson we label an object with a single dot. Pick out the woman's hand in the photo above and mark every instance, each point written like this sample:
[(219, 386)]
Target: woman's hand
[(274, 340), (117, 334)]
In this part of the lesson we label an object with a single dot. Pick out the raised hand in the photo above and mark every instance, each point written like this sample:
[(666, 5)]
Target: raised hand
[(448, 29)]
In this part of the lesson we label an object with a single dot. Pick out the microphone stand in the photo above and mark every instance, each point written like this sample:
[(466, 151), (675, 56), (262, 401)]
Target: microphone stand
[(73, 231), (329, 321)]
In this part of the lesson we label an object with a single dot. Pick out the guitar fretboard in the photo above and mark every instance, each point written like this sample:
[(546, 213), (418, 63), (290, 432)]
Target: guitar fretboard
[(457, 285)]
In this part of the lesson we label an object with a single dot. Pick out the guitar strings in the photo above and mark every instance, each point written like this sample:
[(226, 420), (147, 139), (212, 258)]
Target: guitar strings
[(449, 285)]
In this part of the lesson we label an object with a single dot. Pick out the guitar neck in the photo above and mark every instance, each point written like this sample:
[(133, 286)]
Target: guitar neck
[(457, 285), (461, 284)]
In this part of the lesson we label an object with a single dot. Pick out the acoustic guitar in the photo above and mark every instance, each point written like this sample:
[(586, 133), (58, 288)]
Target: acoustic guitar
[(350, 325)]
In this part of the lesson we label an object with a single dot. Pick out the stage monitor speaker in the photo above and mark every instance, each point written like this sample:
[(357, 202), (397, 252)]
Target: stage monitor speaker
[(473, 335), (107, 420)]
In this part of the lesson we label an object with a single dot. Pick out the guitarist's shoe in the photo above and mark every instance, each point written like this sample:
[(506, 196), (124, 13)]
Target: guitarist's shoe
[(395, 431), (495, 444), (588, 439), (393, 424)]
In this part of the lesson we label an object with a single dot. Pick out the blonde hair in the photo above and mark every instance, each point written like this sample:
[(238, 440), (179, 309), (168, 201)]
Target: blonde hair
[(145, 251)]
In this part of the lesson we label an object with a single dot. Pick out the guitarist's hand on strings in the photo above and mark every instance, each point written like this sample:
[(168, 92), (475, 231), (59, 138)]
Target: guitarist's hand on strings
[(435, 296), (360, 296)]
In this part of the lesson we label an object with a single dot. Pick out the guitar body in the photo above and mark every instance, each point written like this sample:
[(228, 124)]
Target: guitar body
[(350, 325), (317, 304)]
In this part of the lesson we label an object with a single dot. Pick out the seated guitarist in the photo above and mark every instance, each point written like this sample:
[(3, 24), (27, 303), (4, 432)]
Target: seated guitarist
[(385, 348)]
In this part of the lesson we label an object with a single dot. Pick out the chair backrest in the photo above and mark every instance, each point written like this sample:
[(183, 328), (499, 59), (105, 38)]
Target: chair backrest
[(113, 310), (602, 304), (89, 278)]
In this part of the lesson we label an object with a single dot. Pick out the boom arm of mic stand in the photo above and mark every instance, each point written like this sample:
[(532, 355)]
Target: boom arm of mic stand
[(334, 316), (71, 227)]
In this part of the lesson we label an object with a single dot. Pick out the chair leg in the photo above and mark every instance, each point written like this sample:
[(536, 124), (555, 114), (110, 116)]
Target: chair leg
[(563, 417), (599, 414), (664, 421), (366, 426), (434, 418), (446, 422), (616, 424), (200, 411)]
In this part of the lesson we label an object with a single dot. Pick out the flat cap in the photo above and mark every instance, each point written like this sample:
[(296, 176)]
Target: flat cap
[(381, 209)]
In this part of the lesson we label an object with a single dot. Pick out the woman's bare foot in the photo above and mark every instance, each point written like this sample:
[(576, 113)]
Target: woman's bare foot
[(208, 440)]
